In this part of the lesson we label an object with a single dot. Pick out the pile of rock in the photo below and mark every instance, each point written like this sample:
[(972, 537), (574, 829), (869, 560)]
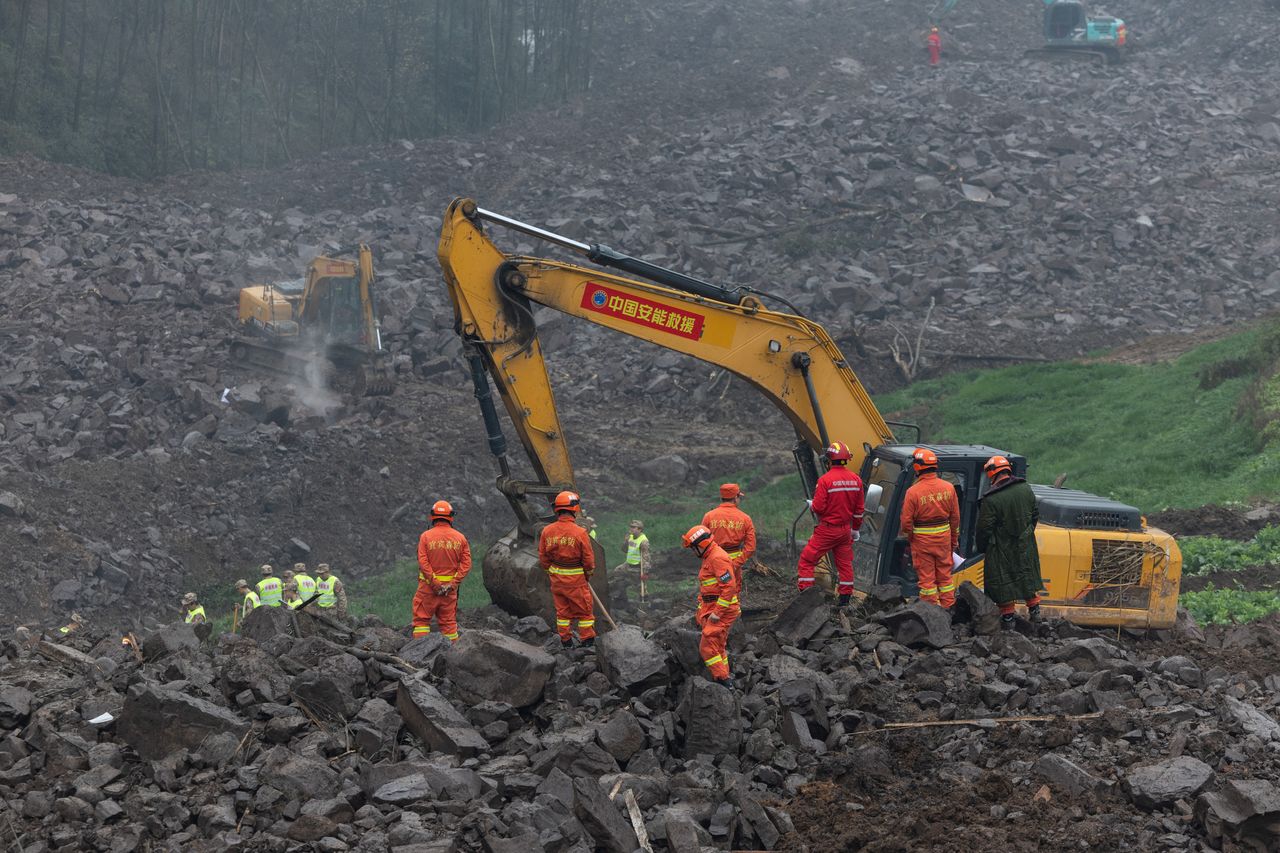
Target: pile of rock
[(298, 731)]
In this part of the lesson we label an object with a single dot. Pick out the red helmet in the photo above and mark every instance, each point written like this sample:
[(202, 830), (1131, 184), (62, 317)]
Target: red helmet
[(695, 536), (568, 502), (838, 452), (997, 464), (924, 459), (442, 510)]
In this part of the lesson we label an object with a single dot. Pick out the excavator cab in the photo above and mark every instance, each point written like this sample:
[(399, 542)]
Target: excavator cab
[(1066, 20)]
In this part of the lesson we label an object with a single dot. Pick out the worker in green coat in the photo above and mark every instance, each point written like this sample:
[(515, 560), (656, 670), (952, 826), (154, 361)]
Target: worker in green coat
[(1007, 519)]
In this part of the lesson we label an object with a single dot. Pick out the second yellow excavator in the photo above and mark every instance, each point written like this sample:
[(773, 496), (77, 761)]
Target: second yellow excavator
[(1101, 563), (321, 326)]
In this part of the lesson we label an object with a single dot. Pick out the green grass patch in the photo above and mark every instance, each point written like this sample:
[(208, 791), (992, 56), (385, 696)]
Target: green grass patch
[(389, 595), (1156, 436), (1202, 555), (772, 508), (1230, 606)]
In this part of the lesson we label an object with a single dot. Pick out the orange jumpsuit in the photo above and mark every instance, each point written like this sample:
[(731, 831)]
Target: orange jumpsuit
[(931, 524), (564, 550), (734, 532), (718, 594), (935, 48), (444, 558)]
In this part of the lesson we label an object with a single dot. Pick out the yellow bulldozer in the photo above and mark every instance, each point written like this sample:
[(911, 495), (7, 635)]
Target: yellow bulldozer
[(1101, 563), (323, 327)]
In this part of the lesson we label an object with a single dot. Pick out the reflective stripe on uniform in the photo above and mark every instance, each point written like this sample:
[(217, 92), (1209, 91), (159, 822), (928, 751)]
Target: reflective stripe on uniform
[(928, 590), (712, 661), (727, 602), (441, 578), (951, 587), (844, 488), (420, 631), (563, 623), (710, 582), (564, 572), (733, 555), (586, 623), (932, 529), (452, 637)]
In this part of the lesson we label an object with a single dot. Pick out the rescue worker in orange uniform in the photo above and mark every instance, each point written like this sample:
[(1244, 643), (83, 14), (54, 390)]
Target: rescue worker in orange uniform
[(564, 550), (931, 525), (838, 501), (934, 43), (444, 558), (732, 529), (718, 606)]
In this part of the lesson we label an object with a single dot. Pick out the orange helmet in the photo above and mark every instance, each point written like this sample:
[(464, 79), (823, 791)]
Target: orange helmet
[(568, 502), (695, 536), (729, 491), (924, 459), (838, 452), (442, 510), (995, 465)]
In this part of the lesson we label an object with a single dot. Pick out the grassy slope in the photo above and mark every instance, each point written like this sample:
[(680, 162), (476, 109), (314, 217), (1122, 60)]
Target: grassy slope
[(1144, 434)]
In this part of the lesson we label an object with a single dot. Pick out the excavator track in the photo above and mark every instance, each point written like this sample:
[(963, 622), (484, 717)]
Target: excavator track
[(1083, 55), (366, 380)]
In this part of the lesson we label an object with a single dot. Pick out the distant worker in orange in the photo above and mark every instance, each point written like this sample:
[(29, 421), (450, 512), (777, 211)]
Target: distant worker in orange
[(838, 501), (564, 550), (931, 525), (935, 46), (444, 558), (718, 606), (732, 528)]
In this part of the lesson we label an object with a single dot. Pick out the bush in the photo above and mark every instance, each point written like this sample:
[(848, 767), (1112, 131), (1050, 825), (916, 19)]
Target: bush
[(1230, 606), (1202, 555)]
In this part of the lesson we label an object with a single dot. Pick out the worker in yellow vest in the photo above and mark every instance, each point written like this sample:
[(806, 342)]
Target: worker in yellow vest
[(636, 565), (270, 588), (332, 594), (192, 610), (291, 599), (306, 583), (250, 598)]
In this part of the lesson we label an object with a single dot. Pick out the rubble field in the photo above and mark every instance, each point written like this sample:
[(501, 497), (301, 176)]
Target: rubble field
[(1000, 210), (884, 729)]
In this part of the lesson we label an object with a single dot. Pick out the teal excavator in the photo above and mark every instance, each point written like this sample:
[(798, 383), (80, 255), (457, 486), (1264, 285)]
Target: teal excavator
[(1070, 32)]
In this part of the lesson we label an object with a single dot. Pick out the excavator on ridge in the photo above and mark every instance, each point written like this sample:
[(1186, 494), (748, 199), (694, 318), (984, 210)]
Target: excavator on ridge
[(1070, 32), (1102, 564)]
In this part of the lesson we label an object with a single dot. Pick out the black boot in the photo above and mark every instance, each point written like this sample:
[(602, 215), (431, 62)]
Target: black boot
[(844, 600), (725, 682), (566, 644), (1034, 614), (588, 643), (1008, 622)]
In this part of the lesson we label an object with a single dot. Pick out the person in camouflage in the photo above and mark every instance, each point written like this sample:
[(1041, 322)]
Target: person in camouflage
[(1007, 519)]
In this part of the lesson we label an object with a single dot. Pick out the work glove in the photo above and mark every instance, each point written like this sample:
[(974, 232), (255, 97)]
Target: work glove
[(713, 619), (856, 535), (447, 589)]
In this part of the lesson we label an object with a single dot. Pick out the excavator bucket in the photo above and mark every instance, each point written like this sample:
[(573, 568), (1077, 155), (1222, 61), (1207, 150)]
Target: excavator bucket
[(378, 378), (516, 582)]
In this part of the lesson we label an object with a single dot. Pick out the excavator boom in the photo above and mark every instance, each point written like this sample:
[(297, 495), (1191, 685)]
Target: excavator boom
[(1097, 571)]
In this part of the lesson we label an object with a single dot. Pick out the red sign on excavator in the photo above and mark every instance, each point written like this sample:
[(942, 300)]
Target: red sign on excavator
[(672, 319)]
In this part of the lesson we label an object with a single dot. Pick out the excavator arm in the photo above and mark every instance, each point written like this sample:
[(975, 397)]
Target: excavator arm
[(790, 360)]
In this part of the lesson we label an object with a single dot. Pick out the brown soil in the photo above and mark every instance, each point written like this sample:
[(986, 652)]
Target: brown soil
[(1229, 522)]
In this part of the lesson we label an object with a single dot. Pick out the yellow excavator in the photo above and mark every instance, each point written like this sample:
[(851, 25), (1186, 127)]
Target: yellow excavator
[(322, 326), (1102, 564)]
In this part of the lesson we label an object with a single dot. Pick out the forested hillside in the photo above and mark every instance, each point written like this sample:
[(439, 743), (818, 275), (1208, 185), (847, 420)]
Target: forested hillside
[(145, 87)]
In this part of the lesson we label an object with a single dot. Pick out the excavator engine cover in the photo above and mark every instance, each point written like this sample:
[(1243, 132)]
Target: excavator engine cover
[(517, 583)]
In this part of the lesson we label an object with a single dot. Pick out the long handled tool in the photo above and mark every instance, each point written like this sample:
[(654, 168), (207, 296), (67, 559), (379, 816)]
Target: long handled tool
[(600, 604)]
